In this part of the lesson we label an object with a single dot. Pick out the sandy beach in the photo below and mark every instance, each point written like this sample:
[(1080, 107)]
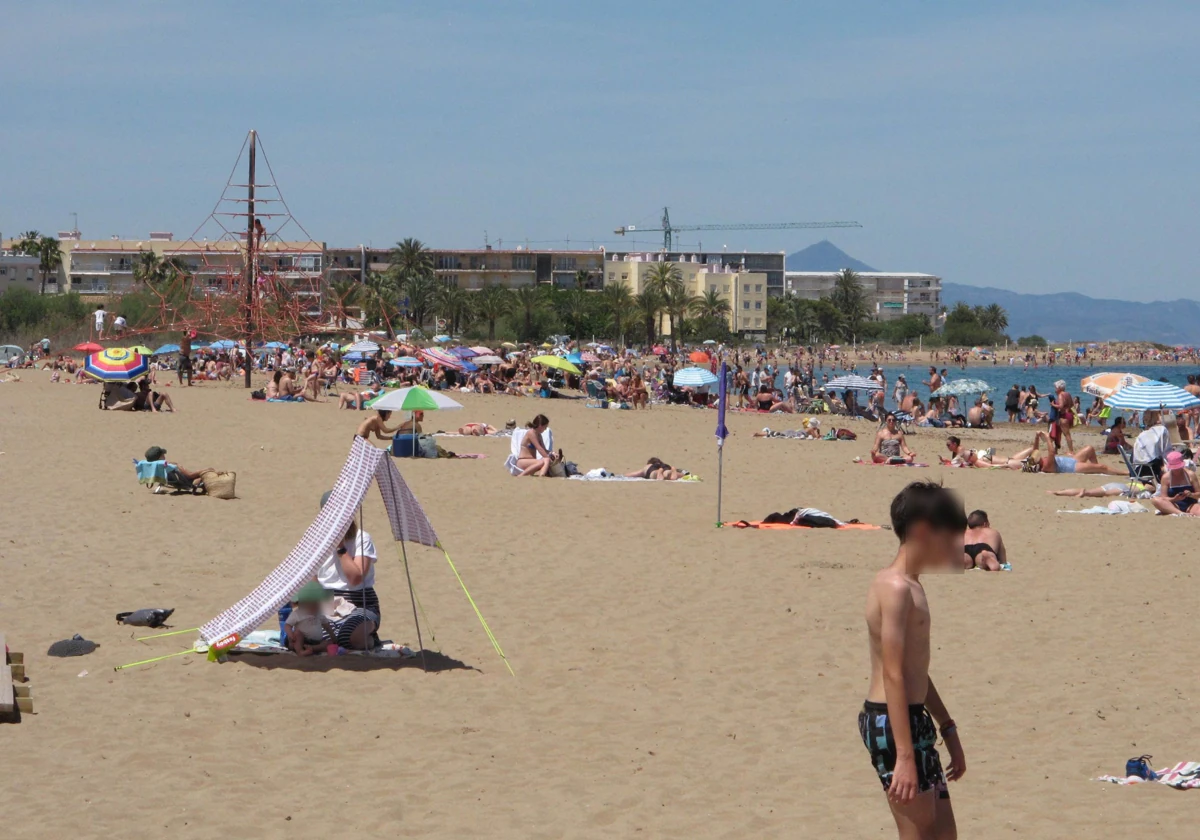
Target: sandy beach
[(672, 679)]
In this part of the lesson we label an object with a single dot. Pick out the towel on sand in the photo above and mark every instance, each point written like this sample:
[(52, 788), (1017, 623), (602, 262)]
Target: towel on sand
[(601, 474), (784, 526), (1114, 508), (888, 463), (1183, 776)]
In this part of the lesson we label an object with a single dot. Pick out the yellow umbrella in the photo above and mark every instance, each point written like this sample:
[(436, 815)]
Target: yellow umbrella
[(547, 346), (141, 350), (555, 362), (508, 344)]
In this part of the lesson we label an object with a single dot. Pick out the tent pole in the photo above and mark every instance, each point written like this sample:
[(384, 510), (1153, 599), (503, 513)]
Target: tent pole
[(413, 597)]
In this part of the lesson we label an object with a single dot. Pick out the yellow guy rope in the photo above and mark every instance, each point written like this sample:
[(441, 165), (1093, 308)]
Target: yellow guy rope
[(478, 614)]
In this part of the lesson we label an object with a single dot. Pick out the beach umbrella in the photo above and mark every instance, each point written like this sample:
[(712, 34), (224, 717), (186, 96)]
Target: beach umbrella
[(223, 344), (508, 344), (116, 365), (589, 356), (483, 351), (368, 347), (962, 387), (88, 347), (166, 348), (853, 382), (574, 358), (1107, 384), (555, 362), (592, 344), (710, 341), (1148, 396), (694, 377), (441, 357), (658, 350), (275, 345), (700, 357), (407, 361), (140, 349), (464, 352), (469, 367), (413, 399), (356, 356), (488, 359)]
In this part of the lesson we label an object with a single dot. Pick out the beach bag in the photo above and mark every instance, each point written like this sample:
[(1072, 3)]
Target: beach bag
[(260, 394), (427, 447), (1140, 767), (219, 483), (846, 434)]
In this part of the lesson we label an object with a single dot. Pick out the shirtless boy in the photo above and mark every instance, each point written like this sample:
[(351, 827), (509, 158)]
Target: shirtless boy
[(376, 425), (897, 720)]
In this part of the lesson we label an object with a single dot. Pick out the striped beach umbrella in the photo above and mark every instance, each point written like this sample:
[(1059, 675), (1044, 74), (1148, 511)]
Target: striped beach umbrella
[(694, 377), (853, 382), (116, 365), (1152, 396), (369, 347), (407, 361), (440, 357)]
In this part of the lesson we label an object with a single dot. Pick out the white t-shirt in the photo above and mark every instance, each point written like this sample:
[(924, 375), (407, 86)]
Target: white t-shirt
[(119, 322), (330, 574), (100, 313)]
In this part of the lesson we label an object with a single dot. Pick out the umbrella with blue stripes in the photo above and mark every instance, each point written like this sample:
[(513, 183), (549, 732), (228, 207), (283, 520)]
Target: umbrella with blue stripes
[(694, 377), (962, 388), (1150, 396), (853, 382)]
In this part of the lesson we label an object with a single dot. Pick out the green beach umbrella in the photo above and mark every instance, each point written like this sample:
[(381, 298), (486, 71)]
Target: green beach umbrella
[(555, 362), (412, 399)]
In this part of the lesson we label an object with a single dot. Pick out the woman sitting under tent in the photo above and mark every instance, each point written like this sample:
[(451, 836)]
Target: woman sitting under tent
[(349, 572)]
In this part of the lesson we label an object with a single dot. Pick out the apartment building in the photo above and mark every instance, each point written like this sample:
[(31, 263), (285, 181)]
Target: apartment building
[(890, 294), (745, 291), (20, 271), (769, 263), (475, 268)]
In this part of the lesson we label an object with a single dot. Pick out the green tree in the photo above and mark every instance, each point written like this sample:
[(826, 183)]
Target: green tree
[(47, 249), (994, 318), (453, 304), (712, 306), (410, 257), (345, 294), (649, 306), (147, 268), (529, 302), (829, 321), (1031, 341), (493, 302), (849, 296), (380, 300), (582, 276), (617, 302), (663, 279), (574, 307), (679, 304)]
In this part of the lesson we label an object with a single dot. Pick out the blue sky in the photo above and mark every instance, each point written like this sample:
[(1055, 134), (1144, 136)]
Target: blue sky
[(1030, 146)]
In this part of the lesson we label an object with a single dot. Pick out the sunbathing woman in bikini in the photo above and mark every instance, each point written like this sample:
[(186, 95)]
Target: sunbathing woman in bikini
[(534, 459), (476, 430), (656, 470)]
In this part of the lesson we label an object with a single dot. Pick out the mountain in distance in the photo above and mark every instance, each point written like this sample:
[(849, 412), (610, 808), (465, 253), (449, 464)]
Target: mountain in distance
[(1058, 317), (824, 256), (1070, 316)]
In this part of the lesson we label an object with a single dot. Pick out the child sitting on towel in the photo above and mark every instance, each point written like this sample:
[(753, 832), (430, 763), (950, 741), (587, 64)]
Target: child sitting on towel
[(307, 628)]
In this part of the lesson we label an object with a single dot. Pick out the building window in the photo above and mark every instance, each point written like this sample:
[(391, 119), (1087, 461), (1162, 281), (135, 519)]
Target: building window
[(746, 288), (758, 288), (29, 274), (758, 322), (448, 262), (612, 275), (745, 322), (758, 304), (624, 275), (450, 280), (745, 304), (726, 288), (310, 262), (522, 262), (564, 264)]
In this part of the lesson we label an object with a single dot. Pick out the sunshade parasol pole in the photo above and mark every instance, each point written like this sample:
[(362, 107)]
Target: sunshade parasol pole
[(250, 273), (722, 432)]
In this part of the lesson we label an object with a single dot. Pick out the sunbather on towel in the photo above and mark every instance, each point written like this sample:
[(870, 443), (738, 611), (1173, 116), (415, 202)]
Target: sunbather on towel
[(1133, 489), (656, 470), (890, 445), (983, 547), (355, 400), (476, 430), (1084, 461), (811, 431)]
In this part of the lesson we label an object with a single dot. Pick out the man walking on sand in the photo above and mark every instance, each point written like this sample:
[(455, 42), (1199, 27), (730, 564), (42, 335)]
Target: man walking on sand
[(897, 720)]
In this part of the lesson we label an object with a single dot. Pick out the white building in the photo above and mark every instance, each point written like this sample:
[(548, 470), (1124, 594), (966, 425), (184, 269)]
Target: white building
[(890, 294), (20, 271)]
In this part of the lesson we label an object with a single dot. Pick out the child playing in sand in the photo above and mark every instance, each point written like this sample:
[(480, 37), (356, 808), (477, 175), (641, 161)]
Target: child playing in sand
[(897, 719), (307, 629)]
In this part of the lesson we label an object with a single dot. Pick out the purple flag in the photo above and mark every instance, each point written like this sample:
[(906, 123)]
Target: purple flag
[(722, 398)]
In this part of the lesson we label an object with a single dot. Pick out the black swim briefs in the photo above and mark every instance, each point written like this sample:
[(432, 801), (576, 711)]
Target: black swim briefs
[(876, 732), (975, 549)]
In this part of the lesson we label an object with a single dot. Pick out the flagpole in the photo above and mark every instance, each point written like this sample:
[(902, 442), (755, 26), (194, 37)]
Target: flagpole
[(722, 432)]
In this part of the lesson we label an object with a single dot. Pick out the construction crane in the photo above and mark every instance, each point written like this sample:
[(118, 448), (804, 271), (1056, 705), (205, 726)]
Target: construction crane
[(667, 228)]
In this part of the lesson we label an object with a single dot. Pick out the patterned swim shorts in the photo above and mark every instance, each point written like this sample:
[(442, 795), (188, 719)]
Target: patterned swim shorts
[(876, 732)]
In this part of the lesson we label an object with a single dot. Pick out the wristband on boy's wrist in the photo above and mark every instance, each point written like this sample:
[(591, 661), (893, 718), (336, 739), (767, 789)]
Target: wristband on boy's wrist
[(948, 728)]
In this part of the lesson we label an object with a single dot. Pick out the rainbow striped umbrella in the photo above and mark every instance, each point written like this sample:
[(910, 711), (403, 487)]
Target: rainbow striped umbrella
[(116, 365), (441, 357)]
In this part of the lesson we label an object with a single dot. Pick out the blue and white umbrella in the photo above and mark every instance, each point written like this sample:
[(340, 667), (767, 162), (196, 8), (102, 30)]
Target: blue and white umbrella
[(853, 382), (166, 348), (363, 347), (223, 344), (1151, 396), (275, 345), (407, 361), (694, 377)]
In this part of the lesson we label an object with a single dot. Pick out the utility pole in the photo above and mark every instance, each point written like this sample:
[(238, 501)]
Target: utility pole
[(250, 257)]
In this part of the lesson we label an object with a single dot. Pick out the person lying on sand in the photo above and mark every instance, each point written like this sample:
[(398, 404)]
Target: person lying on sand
[(1084, 461), (963, 457), (983, 547), (354, 401), (656, 470), (1133, 489), (811, 431), (476, 430)]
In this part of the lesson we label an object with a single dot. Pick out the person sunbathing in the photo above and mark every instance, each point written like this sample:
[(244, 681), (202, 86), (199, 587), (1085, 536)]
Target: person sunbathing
[(1179, 489), (890, 444), (1084, 461), (811, 431), (1132, 489), (656, 470), (963, 457), (983, 547), (476, 430), (354, 401)]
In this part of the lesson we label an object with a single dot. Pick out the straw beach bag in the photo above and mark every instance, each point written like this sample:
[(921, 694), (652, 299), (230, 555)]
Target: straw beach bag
[(219, 484)]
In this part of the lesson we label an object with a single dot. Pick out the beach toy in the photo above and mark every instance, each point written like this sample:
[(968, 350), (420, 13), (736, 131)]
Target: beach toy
[(74, 646)]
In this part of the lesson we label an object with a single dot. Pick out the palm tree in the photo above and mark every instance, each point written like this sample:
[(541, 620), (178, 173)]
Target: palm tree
[(582, 276), (346, 293), (529, 301), (830, 321), (147, 268), (663, 279), (493, 302), (849, 297), (410, 257), (47, 249), (455, 305), (617, 301), (381, 295), (712, 305), (648, 305), (993, 317), (419, 293), (574, 306), (679, 303)]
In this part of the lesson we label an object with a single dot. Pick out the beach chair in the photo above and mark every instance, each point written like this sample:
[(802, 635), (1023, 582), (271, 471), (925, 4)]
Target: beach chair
[(156, 474), (518, 436), (1143, 473)]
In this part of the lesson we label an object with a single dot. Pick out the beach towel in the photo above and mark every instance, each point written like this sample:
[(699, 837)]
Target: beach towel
[(151, 473), (1117, 507), (270, 641), (888, 463), (601, 474), (501, 433), (785, 526), (1183, 776)]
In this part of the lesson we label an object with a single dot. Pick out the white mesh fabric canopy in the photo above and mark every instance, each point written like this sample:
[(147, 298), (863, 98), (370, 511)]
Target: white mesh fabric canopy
[(364, 465)]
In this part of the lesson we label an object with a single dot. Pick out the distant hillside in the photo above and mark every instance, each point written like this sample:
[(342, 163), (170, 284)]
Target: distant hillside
[(1068, 316), (824, 256)]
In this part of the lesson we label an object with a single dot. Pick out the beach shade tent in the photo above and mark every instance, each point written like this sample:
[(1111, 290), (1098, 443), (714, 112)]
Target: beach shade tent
[(962, 387), (694, 377), (11, 351), (141, 350), (557, 362), (488, 359), (365, 465), (574, 358), (88, 347), (407, 361), (700, 357), (275, 345), (165, 349), (368, 347), (116, 365), (1152, 396), (852, 382), (1107, 384), (441, 357)]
